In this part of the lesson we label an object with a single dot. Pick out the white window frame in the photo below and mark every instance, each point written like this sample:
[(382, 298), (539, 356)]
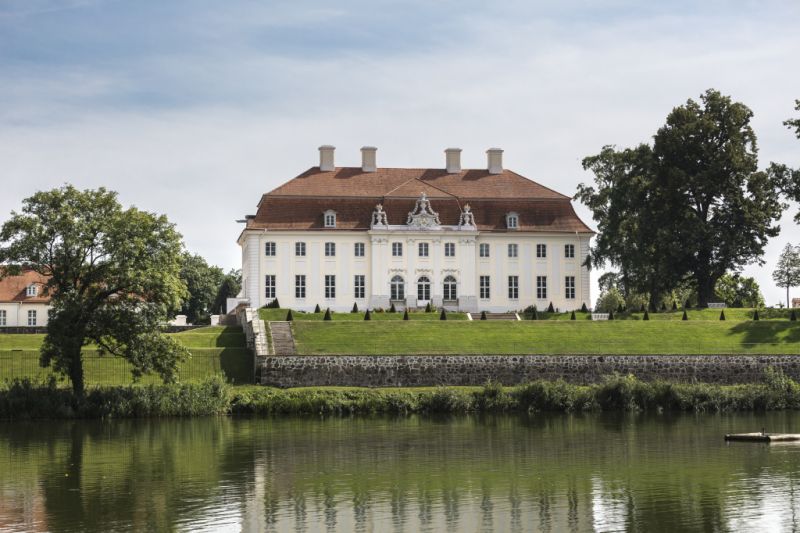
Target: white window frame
[(569, 287), (450, 289), (330, 286), (513, 287), (3, 318), (449, 249), (424, 288), (397, 289), (360, 286), (32, 317), (359, 250), (300, 249), (512, 221), (330, 249), (300, 286), (513, 251), (270, 249), (397, 249), (484, 250), (423, 249), (541, 287), (541, 251), (30, 290), (569, 251), (329, 218), (270, 286), (485, 287)]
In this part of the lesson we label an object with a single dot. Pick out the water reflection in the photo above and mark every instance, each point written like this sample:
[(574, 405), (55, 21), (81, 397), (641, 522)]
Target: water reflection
[(509, 473)]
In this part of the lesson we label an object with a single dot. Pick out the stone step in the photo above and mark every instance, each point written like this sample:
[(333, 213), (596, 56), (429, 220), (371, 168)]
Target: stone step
[(496, 316), (282, 338)]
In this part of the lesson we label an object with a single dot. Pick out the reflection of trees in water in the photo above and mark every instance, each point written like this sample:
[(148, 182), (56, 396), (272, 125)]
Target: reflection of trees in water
[(330, 508)]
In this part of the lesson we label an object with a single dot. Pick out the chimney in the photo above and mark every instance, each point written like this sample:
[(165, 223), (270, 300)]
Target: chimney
[(494, 157), (368, 159), (326, 157), (453, 160)]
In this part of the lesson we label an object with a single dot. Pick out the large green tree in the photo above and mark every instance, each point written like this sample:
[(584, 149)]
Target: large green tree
[(787, 271), (203, 281), (114, 278), (789, 178), (229, 288), (738, 291)]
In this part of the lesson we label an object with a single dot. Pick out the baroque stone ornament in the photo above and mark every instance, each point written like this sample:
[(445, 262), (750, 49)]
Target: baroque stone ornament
[(423, 216), (379, 217), (467, 219)]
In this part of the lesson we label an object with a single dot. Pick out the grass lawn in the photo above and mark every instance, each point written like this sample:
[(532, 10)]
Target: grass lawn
[(548, 337), (731, 314), (214, 349), (280, 314)]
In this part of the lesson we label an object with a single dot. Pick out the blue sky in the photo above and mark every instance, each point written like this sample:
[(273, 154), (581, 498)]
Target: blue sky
[(195, 108)]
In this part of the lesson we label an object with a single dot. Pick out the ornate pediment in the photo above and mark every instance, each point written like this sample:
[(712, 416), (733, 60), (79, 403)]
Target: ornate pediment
[(467, 219), (423, 216)]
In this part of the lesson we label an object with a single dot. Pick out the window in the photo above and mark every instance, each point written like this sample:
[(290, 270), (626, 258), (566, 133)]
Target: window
[(269, 249), (449, 249), (397, 249), (541, 287), (359, 249), (512, 221), (300, 286), (269, 283), (424, 288), (32, 318), (541, 251), (330, 286), (360, 286), (483, 250), (450, 288), (397, 289), (2, 317), (330, 219), (30, 290), (485, 293), (569, 251), (569, 287), (513, 287), (300, 249), (330, 249), (512, 250), (423, 249)]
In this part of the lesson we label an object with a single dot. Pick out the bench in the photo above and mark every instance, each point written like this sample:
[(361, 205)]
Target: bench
[(716, 305), (599, 316)]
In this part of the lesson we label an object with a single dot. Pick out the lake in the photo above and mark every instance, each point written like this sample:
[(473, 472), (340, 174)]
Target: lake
[(597, 472)]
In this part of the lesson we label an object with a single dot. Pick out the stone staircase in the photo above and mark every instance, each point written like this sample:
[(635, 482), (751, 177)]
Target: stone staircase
[(496, 316), (282, 338)]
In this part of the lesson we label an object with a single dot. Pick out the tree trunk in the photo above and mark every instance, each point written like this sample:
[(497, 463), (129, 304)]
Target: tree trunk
[(787, 296), (76, 370), (705, 289)]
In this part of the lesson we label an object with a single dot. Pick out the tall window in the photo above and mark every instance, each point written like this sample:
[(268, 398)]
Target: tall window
[(483, 250), (541, 251), (423, 288), (397, 249), (485, 288), (512, 250), (541, 287), (31, 318), (397, 288), (360, 286), (330, 286), (359, 249), (2, 317), (330, 219), (300, 286), (513, 287), (512, 221), (569, 251), (269, 283), (449, 249), (569, 287), (269, 249), (300, 249), (423, 249), (450, 293), (330, 249)]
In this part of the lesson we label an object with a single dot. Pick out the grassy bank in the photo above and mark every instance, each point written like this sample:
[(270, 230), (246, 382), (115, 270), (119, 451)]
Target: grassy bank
[(25, 400), (385, 316)]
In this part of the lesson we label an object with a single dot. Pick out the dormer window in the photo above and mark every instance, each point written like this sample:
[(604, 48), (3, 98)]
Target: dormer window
[(330, 219), (512, 220), (30, 290)]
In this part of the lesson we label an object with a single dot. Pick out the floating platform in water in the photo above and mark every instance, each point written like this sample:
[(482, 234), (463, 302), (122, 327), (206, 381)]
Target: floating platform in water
[(763, 437)]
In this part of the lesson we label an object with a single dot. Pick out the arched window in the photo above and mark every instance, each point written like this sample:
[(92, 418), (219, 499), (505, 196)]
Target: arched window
[(450, 293), (423, 288), (397, 288)]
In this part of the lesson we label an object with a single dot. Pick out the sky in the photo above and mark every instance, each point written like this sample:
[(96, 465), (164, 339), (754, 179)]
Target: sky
[(196, 108)]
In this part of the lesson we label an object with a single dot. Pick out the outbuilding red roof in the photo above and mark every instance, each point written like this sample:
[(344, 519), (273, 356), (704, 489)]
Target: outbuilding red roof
[(13, 289), (299, 204)]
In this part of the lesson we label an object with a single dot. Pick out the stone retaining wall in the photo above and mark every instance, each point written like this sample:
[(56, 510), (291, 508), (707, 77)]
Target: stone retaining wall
[(429, 370)]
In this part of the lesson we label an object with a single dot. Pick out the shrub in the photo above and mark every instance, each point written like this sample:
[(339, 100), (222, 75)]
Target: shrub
[(355, 308), (646, 315), (317, 309), (583, 308), (619, 309), (642, 309), (273, 304), (550, 308), (483, 315), (572, 316), (534, 314), (793, 316), (663, 306), (327, 314), (289, 316), (405, 314), (443, 315), (685, 316), (755, 315), (687, 305), (674, 305), (722, 315), (445, 400), (392, 308), (367, 315), (428, 308), (611, 315)]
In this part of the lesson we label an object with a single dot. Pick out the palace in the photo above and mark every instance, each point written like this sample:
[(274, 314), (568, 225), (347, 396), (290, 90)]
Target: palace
[(23, 299), (463, 239)]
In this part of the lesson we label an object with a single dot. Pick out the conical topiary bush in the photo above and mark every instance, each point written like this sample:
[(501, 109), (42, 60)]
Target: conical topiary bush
[(663, 306), (483, 315), (646, 315), (642, 309), (793, 316), (583, 308), (367, 315), (611, 314), (317, 309), (392, 308), (685, 316), (289, 316), (572, 316), (443, 315), (755, 315), (619, 309), (674, 305), (722, 315), (534, 314), (550, 308), (405, 314), (428, 308), (327, 314), (355, 308)]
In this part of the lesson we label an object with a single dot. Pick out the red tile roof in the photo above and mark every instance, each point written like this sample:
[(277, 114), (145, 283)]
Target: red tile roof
[(299, 204), (13, 289)]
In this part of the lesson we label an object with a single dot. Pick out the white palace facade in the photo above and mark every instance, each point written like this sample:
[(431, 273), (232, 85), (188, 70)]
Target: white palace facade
[(465, 239)]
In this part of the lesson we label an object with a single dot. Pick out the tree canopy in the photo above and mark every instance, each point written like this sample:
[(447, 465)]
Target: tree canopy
[(738, 291), (203, 282), (787, 271), (114, 278)]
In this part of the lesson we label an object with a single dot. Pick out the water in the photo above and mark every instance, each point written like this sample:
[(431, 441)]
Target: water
[(494, 473)]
